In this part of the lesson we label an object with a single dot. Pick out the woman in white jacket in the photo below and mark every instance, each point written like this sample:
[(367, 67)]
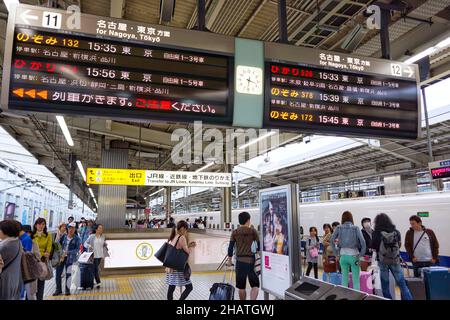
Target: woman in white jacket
[(96, 243)]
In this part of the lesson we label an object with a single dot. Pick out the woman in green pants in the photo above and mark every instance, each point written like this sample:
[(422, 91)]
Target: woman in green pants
[(351, 246)]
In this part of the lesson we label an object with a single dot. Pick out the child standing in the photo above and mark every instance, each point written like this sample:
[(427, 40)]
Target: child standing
[(312, 251)]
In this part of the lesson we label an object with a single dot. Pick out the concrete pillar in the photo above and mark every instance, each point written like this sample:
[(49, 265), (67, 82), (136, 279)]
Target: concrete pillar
[(112, 199), (168, 201), (225, 210), (399, 184)]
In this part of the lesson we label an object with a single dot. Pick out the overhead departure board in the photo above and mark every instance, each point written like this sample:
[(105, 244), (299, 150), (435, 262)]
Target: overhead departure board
[(116, 70), (341, 95), (440, 169)]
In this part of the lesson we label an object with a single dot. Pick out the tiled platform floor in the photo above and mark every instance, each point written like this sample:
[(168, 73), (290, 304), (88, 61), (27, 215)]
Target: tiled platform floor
[(146, 287), (141, 287)]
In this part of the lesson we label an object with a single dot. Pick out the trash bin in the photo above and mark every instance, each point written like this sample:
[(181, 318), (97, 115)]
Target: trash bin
[(343, 293), (307, 289), (437, 283)]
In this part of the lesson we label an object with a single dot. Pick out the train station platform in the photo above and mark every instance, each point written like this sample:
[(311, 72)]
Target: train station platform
[(149, 287)]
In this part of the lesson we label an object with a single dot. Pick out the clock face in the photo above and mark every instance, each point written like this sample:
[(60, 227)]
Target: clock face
[(249, 80)]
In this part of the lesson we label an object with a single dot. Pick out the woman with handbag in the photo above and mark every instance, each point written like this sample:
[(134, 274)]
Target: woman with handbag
[(328, 258), (44, 241), (179, 278), (70, 243), (312, 252), (96, 243), (11, 253)]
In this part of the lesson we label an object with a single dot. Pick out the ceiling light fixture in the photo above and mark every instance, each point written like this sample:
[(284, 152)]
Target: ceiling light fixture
[(65, 130), (268, 134), (204, 167), (80, 167), (440, 45), (156, 192)]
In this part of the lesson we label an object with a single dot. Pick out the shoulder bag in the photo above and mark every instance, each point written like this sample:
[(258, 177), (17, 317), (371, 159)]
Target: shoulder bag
[(48, 267), (161, 253), (175, 258)]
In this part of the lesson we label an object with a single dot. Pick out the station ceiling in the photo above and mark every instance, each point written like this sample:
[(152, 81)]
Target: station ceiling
[(150, 143)]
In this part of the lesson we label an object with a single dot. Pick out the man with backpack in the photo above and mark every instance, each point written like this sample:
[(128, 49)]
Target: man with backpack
[(421, 244), (386, 241)]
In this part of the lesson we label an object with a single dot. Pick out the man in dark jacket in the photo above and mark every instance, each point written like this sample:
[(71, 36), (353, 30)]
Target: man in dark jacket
[(421, 244), (367, 232)]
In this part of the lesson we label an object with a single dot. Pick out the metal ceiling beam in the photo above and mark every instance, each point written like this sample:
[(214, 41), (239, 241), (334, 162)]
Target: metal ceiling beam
[(323, 20), (309, 20), (119, 130), (402, 152), (117, 8), (252, 17), (214, 13), (362, 174)]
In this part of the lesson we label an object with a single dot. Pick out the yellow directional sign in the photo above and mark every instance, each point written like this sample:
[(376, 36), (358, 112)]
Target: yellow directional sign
[(130, 177), (115, 176)]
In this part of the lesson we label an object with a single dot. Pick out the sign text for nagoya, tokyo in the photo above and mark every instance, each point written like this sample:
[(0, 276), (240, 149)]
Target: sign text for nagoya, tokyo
[(157, 178)]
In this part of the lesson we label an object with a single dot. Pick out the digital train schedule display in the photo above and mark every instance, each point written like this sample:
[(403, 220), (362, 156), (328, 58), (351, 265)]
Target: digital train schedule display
[(60, 72), (319, 100)]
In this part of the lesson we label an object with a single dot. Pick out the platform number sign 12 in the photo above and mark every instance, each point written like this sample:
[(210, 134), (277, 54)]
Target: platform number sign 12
[(51, 20), (396, 69)]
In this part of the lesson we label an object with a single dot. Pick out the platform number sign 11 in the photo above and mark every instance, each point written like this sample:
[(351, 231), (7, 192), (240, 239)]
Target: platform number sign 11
[(51, 20), (396, 69)]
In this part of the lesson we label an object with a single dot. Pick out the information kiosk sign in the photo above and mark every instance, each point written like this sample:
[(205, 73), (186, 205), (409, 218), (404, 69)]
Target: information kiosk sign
[(114, 68), (440, 169), (324, 92)]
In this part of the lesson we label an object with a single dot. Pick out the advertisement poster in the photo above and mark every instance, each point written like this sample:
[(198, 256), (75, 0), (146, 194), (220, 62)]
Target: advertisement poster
[(10, 208), (275, 221), (25, 215), (35, 214), (133, 253), (210, 250), (50, 220)]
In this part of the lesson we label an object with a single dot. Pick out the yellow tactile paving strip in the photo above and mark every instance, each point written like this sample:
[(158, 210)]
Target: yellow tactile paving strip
[(123, 285)]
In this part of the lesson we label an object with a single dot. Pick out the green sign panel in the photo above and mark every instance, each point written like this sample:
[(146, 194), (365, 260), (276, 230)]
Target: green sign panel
[(423, 214)]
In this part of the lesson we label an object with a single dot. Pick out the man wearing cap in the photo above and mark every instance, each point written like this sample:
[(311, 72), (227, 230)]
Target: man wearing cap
[(70, 244)]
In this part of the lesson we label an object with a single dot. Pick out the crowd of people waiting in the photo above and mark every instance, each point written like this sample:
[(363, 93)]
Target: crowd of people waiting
[(24, 248), (162, 223), (347, 248)]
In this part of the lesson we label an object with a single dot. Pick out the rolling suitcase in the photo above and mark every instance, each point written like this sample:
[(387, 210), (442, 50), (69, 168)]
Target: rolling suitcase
[(86, 275), (223, 290), (335, 278), (365, 281), (416, 285), (437, 283)]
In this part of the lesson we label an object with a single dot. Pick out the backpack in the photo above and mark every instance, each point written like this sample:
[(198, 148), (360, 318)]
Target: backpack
[(389, 248), (32, 267)]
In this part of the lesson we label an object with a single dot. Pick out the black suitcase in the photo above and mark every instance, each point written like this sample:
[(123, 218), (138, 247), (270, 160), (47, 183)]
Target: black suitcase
[(86, 275), (222, 290), (416, 285), (417, 288)]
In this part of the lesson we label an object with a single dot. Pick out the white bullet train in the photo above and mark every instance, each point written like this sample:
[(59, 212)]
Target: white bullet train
[(433, 206)]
